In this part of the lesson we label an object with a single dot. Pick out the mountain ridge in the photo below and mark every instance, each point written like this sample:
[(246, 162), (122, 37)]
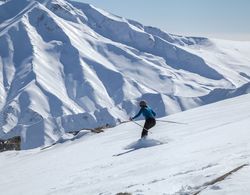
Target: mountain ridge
[(70, 66)]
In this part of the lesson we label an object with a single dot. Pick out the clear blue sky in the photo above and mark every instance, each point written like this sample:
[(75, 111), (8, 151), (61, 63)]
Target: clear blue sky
[(228, 19)]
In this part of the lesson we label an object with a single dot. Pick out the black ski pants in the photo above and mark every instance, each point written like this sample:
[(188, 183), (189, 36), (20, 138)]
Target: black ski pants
[(149, 123)]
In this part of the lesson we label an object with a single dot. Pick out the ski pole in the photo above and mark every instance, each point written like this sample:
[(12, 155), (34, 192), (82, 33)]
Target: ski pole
[(172, 122), (141, 126)]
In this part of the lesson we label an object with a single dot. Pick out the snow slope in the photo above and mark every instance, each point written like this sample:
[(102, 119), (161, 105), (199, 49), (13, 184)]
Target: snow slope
[(192, 154), (67, 66)]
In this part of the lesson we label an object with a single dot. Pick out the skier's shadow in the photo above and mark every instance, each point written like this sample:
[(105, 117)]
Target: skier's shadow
[(141, 143)]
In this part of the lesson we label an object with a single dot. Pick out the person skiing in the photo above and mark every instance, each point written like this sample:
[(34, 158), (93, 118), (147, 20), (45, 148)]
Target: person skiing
[(149, 116)]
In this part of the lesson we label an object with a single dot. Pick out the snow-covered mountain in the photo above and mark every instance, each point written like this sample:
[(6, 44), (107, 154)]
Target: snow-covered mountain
[(192, 156), (68, 66)]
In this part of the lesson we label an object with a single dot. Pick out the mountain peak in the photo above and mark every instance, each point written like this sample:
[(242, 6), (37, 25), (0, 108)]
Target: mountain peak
[(70, 66)]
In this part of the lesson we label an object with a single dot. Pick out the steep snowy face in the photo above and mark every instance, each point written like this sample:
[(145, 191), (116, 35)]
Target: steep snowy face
[(67, 66)]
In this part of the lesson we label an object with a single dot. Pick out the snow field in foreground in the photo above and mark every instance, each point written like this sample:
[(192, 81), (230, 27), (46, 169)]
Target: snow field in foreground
[(215, 141)]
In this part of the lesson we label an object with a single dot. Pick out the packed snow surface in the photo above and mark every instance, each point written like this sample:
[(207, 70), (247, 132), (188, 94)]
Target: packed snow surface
[(67, 66), (174, 159)]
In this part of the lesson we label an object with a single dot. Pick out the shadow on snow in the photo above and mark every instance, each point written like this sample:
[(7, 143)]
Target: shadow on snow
[(141, 143)]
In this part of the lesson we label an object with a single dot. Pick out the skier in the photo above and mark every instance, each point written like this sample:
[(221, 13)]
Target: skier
[(149, 116)]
